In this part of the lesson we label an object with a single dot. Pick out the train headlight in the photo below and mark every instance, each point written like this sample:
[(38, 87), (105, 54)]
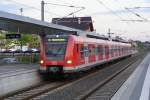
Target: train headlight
[(69, 62), (41, 62)]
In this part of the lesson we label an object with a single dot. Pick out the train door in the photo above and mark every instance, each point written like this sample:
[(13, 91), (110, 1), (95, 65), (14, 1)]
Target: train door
[(116, 51), (107, 52), (76, 54), (101, 52), (96, 52), (92, 57), (122, 50), (110, 51), (119, 50), (113, 53), (86, 58), (81, 54)]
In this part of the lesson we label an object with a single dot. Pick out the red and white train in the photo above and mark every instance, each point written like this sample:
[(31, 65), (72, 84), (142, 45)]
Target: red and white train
[(73, 53), (67, 53)]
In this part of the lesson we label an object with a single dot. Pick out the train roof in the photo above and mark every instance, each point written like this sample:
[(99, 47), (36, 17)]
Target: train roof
[(101, 41)]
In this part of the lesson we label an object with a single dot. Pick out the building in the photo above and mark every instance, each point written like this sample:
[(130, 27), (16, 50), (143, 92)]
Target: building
[(82, 23)]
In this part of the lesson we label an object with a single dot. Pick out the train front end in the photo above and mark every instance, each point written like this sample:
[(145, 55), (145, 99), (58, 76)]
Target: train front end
[(54, 53)]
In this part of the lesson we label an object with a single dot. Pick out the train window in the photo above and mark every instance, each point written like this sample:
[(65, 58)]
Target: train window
[(106, 49), (101, 50), (77, 48), (89, 50), (82, 52), (92, 51), (111, 51), (55, 51), (86, 51), (96, 50), (55, 47)]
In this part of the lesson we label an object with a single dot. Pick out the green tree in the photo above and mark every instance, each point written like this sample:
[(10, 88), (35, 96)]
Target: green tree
[(4, 44), (28, 39)]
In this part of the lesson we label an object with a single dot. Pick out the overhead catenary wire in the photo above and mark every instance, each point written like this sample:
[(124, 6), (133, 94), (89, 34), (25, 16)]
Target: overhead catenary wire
[(71, 6), (33, 7), (70, 14), (124, 10), (131, 20), (113, 12), (65, 2), (136, 14), (138, 7), (135, 20)]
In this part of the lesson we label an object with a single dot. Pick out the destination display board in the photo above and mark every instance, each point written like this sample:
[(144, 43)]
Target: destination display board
[(13, 36), (56, 38)]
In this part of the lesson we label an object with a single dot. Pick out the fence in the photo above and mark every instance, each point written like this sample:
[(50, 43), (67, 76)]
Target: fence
[(21, 57)]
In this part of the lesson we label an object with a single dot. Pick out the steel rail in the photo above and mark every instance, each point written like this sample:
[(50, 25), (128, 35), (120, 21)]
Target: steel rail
[(36, 91), (102, 83), (72, 89)]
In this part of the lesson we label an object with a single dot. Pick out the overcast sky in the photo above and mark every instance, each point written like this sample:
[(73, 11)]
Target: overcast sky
[(105, 14)]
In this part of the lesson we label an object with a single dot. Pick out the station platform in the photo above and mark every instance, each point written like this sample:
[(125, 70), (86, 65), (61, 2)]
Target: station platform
[(13, 68), (14, 77), (137, 86)]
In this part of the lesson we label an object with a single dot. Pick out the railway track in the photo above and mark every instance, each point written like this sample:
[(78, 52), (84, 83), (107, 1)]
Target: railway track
[(54, 89), (36, 91), (85, 86), (87, 95)]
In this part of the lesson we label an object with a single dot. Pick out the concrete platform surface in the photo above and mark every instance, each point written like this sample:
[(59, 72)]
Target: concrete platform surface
[(137, 86), (13, 68), (16, 77)]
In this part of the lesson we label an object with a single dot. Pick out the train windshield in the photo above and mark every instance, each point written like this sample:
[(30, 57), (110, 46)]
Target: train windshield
[(55, 48)]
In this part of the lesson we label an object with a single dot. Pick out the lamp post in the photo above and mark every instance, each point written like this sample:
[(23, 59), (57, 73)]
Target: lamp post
[(71, 6), (42, 10), (21, 11)]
